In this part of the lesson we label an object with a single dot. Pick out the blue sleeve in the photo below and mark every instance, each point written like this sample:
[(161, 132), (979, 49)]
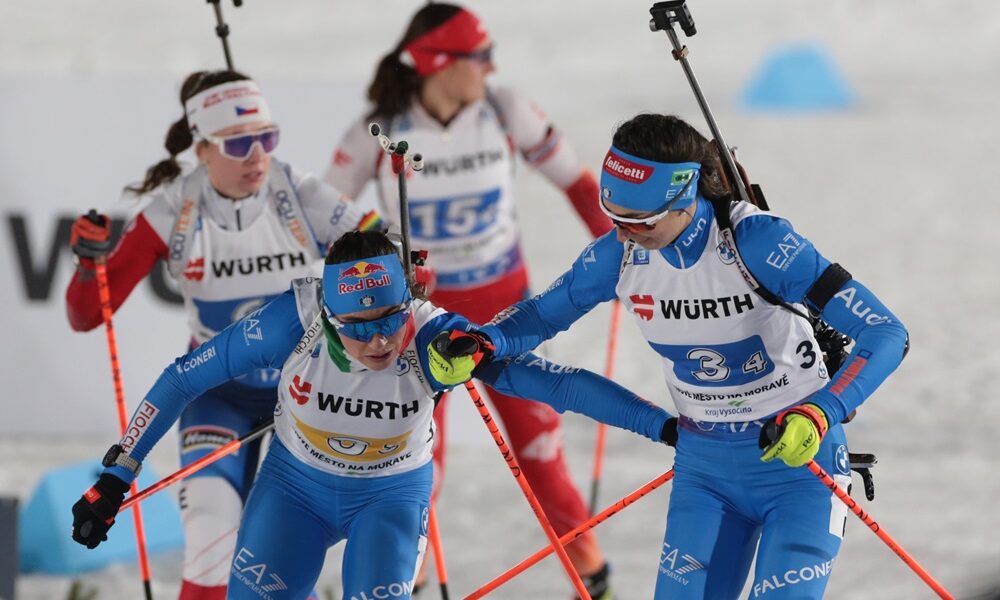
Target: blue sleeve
[(565, 388), (788, 264), (591, 280), (263, 338)]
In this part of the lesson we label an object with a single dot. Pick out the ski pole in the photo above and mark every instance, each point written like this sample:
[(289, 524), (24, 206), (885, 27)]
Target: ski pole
[(438, 551), (508, 456), (572, 535), (400, 156), (665, 14), (877, 529), (199, 464), (222, 29), (602, 429), (104, 294)]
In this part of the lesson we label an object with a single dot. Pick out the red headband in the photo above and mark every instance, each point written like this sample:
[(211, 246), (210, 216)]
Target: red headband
[(436, 49)]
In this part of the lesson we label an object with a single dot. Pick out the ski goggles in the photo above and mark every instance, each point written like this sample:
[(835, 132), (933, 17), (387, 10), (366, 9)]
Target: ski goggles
[(364, 331), (639, 224), (240, 146), (484, 55)]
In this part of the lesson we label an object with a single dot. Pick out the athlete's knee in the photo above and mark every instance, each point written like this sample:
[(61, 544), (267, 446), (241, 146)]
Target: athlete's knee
[(210, 513)]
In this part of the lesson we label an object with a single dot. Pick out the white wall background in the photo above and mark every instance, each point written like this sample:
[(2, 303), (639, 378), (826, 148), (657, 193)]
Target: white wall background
[(900, 190)]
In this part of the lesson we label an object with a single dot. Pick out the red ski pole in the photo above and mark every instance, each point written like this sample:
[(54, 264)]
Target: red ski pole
[(571, 536), (104, 294), (199, 464), (508, 456), (438, 551), (875, 527), (602, 429)]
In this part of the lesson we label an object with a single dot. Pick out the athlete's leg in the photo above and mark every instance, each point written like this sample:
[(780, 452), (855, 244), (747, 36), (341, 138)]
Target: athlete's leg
[(387, 539), (803, 529), (282, 540), (211, 500), (708, 546)]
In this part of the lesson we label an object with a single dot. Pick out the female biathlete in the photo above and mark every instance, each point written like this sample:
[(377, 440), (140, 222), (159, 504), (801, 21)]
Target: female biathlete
[(351, 458), (233, 231), (745, 373), (430, 89)]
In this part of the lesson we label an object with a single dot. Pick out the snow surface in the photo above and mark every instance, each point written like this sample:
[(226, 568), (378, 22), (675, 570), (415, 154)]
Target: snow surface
[(900, 190)]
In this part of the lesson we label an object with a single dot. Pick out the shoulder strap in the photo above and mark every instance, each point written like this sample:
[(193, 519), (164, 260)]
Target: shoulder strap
[(179, 244), (289, 206), (722, 207)]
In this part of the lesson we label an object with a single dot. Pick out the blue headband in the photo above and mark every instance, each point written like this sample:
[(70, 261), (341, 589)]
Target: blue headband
[(645, 185), (364, 284)]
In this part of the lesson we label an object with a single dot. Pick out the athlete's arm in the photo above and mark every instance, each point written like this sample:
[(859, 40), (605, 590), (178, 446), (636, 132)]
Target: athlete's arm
[(565, 388), (330, 214), (789, 265), (127, 264), (263, 338), (354, 161), (590, 281), (544, 149)]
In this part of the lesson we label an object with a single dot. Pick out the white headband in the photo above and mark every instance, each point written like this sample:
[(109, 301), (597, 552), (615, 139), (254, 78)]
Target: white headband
[(225, 105)]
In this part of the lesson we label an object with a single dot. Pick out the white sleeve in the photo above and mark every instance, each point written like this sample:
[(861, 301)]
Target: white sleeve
[(540, 143), (330, 213), (353, 162)]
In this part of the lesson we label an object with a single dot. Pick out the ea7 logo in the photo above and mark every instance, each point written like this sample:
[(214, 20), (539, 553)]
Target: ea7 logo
[(642, 306), (300, 390), (671, 555), (255, 573)]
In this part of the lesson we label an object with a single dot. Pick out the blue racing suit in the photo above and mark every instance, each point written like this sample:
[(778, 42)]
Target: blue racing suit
[(731, 361), (372, 491)]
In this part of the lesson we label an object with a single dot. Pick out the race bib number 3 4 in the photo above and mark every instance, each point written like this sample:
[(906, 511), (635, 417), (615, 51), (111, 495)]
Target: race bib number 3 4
[(717, 365)]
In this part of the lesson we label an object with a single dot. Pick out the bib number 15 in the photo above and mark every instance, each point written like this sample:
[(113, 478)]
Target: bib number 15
[(454, 217)]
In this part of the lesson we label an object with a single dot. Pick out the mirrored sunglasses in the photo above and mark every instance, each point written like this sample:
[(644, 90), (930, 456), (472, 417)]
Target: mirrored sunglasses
[(364, 331), (240, 146)]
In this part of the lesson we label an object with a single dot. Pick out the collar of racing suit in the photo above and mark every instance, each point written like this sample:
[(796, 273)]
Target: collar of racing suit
[(229, 214), (684, 252)]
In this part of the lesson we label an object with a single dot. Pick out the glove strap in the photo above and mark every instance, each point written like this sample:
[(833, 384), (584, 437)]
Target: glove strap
[(811, 412)]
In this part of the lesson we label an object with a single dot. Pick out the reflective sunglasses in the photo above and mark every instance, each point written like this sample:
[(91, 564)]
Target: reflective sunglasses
[(364, 331), (640, 224), (240, 146), (484, 56)]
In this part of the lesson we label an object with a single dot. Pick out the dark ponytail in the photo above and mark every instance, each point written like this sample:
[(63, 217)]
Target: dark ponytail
[(396, 84), (669, 139), (179, 136)]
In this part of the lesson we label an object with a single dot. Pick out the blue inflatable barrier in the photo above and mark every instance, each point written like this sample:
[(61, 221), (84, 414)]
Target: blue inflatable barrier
[(798, 78), (46, 523)]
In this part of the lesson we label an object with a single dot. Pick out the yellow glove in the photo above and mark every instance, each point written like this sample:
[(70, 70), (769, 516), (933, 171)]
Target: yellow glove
[(454, 355), (793, 435)]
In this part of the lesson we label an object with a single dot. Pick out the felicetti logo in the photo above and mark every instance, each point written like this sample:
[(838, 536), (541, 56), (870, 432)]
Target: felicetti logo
[(367, 275), (625, 169)]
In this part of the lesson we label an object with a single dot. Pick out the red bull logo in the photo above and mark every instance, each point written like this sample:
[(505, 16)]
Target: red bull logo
[(369, 275)]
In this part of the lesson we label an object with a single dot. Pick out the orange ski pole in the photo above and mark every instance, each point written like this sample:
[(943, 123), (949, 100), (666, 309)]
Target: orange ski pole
[(572, 535), (199, 464), (438, 551), (875, 527), (602, 429), (508, 456), (104, 294)]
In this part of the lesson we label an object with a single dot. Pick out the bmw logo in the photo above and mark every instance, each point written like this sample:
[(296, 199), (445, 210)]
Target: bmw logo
[(606, 193), (726, 254), (842, 460)]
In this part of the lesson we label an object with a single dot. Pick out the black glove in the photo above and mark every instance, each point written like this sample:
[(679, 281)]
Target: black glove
[(90, 236), (94, 513), (668, 435)]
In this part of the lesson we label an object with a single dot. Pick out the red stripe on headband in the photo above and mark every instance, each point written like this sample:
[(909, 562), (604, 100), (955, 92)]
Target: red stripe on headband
[(436, 49)]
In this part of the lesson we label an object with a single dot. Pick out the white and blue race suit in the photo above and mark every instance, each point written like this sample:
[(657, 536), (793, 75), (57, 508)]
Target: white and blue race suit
[(731, 361), (352, 448)]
